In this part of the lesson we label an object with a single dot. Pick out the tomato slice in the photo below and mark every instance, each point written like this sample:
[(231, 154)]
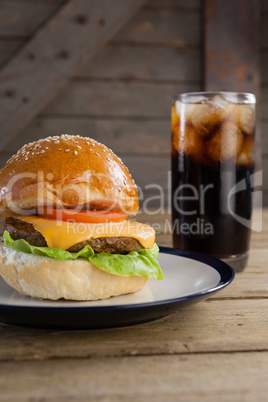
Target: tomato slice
[(72, 215)]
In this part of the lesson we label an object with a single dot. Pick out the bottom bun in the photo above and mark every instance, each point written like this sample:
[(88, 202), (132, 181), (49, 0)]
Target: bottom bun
[(47, 278)]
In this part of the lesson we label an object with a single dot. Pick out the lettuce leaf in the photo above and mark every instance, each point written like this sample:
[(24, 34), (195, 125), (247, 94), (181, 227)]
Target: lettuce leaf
[(141, 263)]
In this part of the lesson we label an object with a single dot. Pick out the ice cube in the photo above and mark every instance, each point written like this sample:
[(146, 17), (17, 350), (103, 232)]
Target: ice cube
[(230, 97), (246, 117), (226, 143), (184, 110), (207, 116), (190, 143), (219, 100), (246, 156)]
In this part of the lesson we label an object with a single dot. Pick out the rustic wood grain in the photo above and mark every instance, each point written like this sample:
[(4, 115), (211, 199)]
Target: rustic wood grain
[(128, 62), (134, 136), (124, 99), (23, 18), (139, 62), (8, 48), (172, 378), (27, 71), (149, 26), (93, 96), (164, 27), (210, 326), (231, 45)]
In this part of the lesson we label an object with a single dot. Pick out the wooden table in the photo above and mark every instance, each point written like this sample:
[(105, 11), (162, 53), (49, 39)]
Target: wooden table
[(216, 350)]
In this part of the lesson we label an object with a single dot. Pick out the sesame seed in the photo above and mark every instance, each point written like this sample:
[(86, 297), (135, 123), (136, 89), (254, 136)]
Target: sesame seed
[(67, 150), (75, 152), (97, 153)]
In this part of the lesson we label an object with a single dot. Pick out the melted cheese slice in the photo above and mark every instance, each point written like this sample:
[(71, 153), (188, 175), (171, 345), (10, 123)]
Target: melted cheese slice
[(59, 234)]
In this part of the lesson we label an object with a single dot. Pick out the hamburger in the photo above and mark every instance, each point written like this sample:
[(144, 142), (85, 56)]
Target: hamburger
[(67, 201)]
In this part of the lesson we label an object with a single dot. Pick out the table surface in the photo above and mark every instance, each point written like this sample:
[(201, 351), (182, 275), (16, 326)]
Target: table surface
[(216, 350)]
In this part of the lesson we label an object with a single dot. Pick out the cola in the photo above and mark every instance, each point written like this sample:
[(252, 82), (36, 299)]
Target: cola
[(212, 173)]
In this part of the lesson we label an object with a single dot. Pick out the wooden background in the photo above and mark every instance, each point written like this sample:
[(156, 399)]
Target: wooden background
[(123, 96)]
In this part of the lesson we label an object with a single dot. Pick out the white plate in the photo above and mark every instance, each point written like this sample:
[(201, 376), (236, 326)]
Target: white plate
[(188, 277)]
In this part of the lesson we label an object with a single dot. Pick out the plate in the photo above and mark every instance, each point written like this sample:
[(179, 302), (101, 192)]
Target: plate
[(188, 278)]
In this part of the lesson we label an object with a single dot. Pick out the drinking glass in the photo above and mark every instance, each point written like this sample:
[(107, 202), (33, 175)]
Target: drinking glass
[(212, 174)]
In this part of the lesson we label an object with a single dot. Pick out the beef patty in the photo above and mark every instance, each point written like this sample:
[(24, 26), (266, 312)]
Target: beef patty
[(19, 229)]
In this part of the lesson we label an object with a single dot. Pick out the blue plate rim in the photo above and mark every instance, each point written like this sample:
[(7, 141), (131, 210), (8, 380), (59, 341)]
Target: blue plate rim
[(225, 271)]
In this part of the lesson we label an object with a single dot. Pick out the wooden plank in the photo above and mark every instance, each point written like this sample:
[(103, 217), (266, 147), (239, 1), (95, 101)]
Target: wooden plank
[(123, 136), (154, 99), (8, 48), (113, 99), (208, 327), (165, 27), (57, 61), (231, 46), (153, 63), (217, 377), (23, 18)]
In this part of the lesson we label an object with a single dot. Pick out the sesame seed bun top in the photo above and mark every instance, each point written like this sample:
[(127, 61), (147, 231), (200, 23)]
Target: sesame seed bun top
[(65, 172)]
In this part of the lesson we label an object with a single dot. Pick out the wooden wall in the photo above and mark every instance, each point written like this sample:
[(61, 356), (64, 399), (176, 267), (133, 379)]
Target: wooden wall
[(123, 97)]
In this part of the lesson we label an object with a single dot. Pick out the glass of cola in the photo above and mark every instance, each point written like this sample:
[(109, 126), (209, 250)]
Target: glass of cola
[(212, 172)]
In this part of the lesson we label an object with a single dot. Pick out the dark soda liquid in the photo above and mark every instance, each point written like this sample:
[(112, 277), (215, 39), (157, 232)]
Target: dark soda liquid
[(207, 206)]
